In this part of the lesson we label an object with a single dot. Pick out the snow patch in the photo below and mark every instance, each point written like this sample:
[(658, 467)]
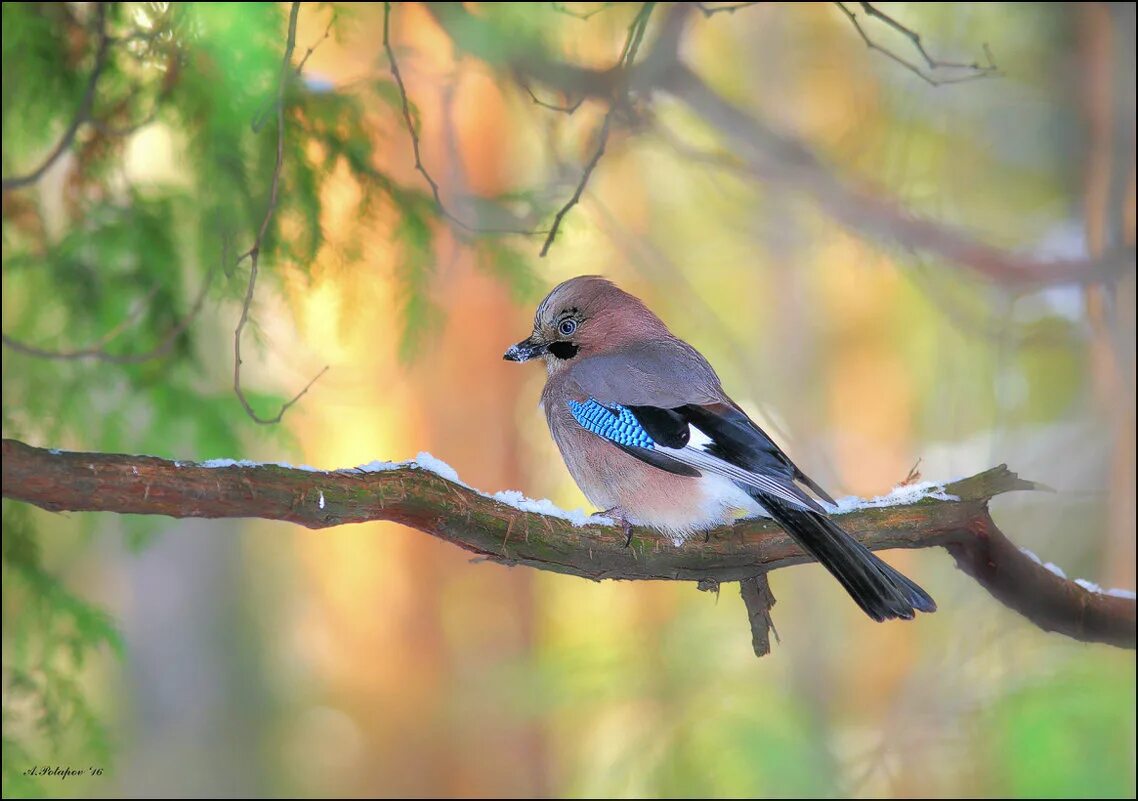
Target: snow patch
[(900, 496), (1086, 584), (517, 500), (378, 466), (513, 498), (321, 499), (307, 468), (1054, 568), (215, 463), (1113, 592), (426, 461)]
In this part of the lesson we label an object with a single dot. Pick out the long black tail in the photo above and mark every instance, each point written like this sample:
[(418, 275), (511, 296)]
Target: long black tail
[(877, 588)]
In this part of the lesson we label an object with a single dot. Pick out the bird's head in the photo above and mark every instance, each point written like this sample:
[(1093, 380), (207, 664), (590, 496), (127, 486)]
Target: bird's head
[(584, 316)]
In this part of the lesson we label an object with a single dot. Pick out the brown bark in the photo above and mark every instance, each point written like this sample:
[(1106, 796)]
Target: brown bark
[(457, 514)]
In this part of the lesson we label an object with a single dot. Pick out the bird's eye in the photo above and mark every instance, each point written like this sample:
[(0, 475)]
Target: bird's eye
[(567, 327)]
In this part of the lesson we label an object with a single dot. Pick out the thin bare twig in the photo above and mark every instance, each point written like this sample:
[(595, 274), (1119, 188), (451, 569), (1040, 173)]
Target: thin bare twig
[(710, 10), (99, 352), (562, 8), (566, 109), (602, 141), (82, 114), (416, 149), (915, 38), (627, 58), (914, 474), (316, 44), (976, 70), (254, 253)]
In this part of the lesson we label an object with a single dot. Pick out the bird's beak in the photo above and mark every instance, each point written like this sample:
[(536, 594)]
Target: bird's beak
[(524, 350)]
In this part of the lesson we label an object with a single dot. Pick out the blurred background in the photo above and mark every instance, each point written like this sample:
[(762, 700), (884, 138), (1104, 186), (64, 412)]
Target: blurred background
[(244, 658)]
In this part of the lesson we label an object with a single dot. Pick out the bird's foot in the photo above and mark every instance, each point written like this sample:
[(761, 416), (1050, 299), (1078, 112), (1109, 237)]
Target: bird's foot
[(617, 514)]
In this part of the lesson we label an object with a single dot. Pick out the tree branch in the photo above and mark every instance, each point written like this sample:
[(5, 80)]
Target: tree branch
[(770, 155), (780, 159), (414, 496)]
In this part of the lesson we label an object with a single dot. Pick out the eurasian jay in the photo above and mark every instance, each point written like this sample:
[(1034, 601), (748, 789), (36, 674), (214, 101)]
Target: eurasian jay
[(649, 435)]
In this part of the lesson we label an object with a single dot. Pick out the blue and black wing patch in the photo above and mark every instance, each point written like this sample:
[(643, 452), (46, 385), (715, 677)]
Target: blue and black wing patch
[(666, 426), (620, 426), (617, 424), (661, 438)]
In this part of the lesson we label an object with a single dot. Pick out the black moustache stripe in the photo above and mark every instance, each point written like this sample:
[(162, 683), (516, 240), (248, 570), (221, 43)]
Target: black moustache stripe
[(563, 350)]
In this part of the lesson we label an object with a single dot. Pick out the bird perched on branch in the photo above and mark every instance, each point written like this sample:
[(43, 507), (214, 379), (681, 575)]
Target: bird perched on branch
[(649, 435)]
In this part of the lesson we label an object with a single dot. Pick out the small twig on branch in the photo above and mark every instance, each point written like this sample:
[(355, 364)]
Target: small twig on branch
[(82, 114), (413, 495), (417, 150), (914, 474), (758, 599), (710, 10), (99, 351), (915, 38), (254, 253), (976, 70), (566, 109), (312, 48), (627, 59), (602, 140), (562, 8)]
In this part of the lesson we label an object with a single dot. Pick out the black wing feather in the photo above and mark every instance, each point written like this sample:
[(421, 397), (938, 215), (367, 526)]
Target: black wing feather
[(660, 460), (881, 591), (668, 427), (738, 440)]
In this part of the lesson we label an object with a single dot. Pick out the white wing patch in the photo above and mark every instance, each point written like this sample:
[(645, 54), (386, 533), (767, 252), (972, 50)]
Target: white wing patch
[(694, 454), (697, 438)]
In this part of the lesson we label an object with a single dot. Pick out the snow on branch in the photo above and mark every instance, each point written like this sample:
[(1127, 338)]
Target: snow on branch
[(426, 494)]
